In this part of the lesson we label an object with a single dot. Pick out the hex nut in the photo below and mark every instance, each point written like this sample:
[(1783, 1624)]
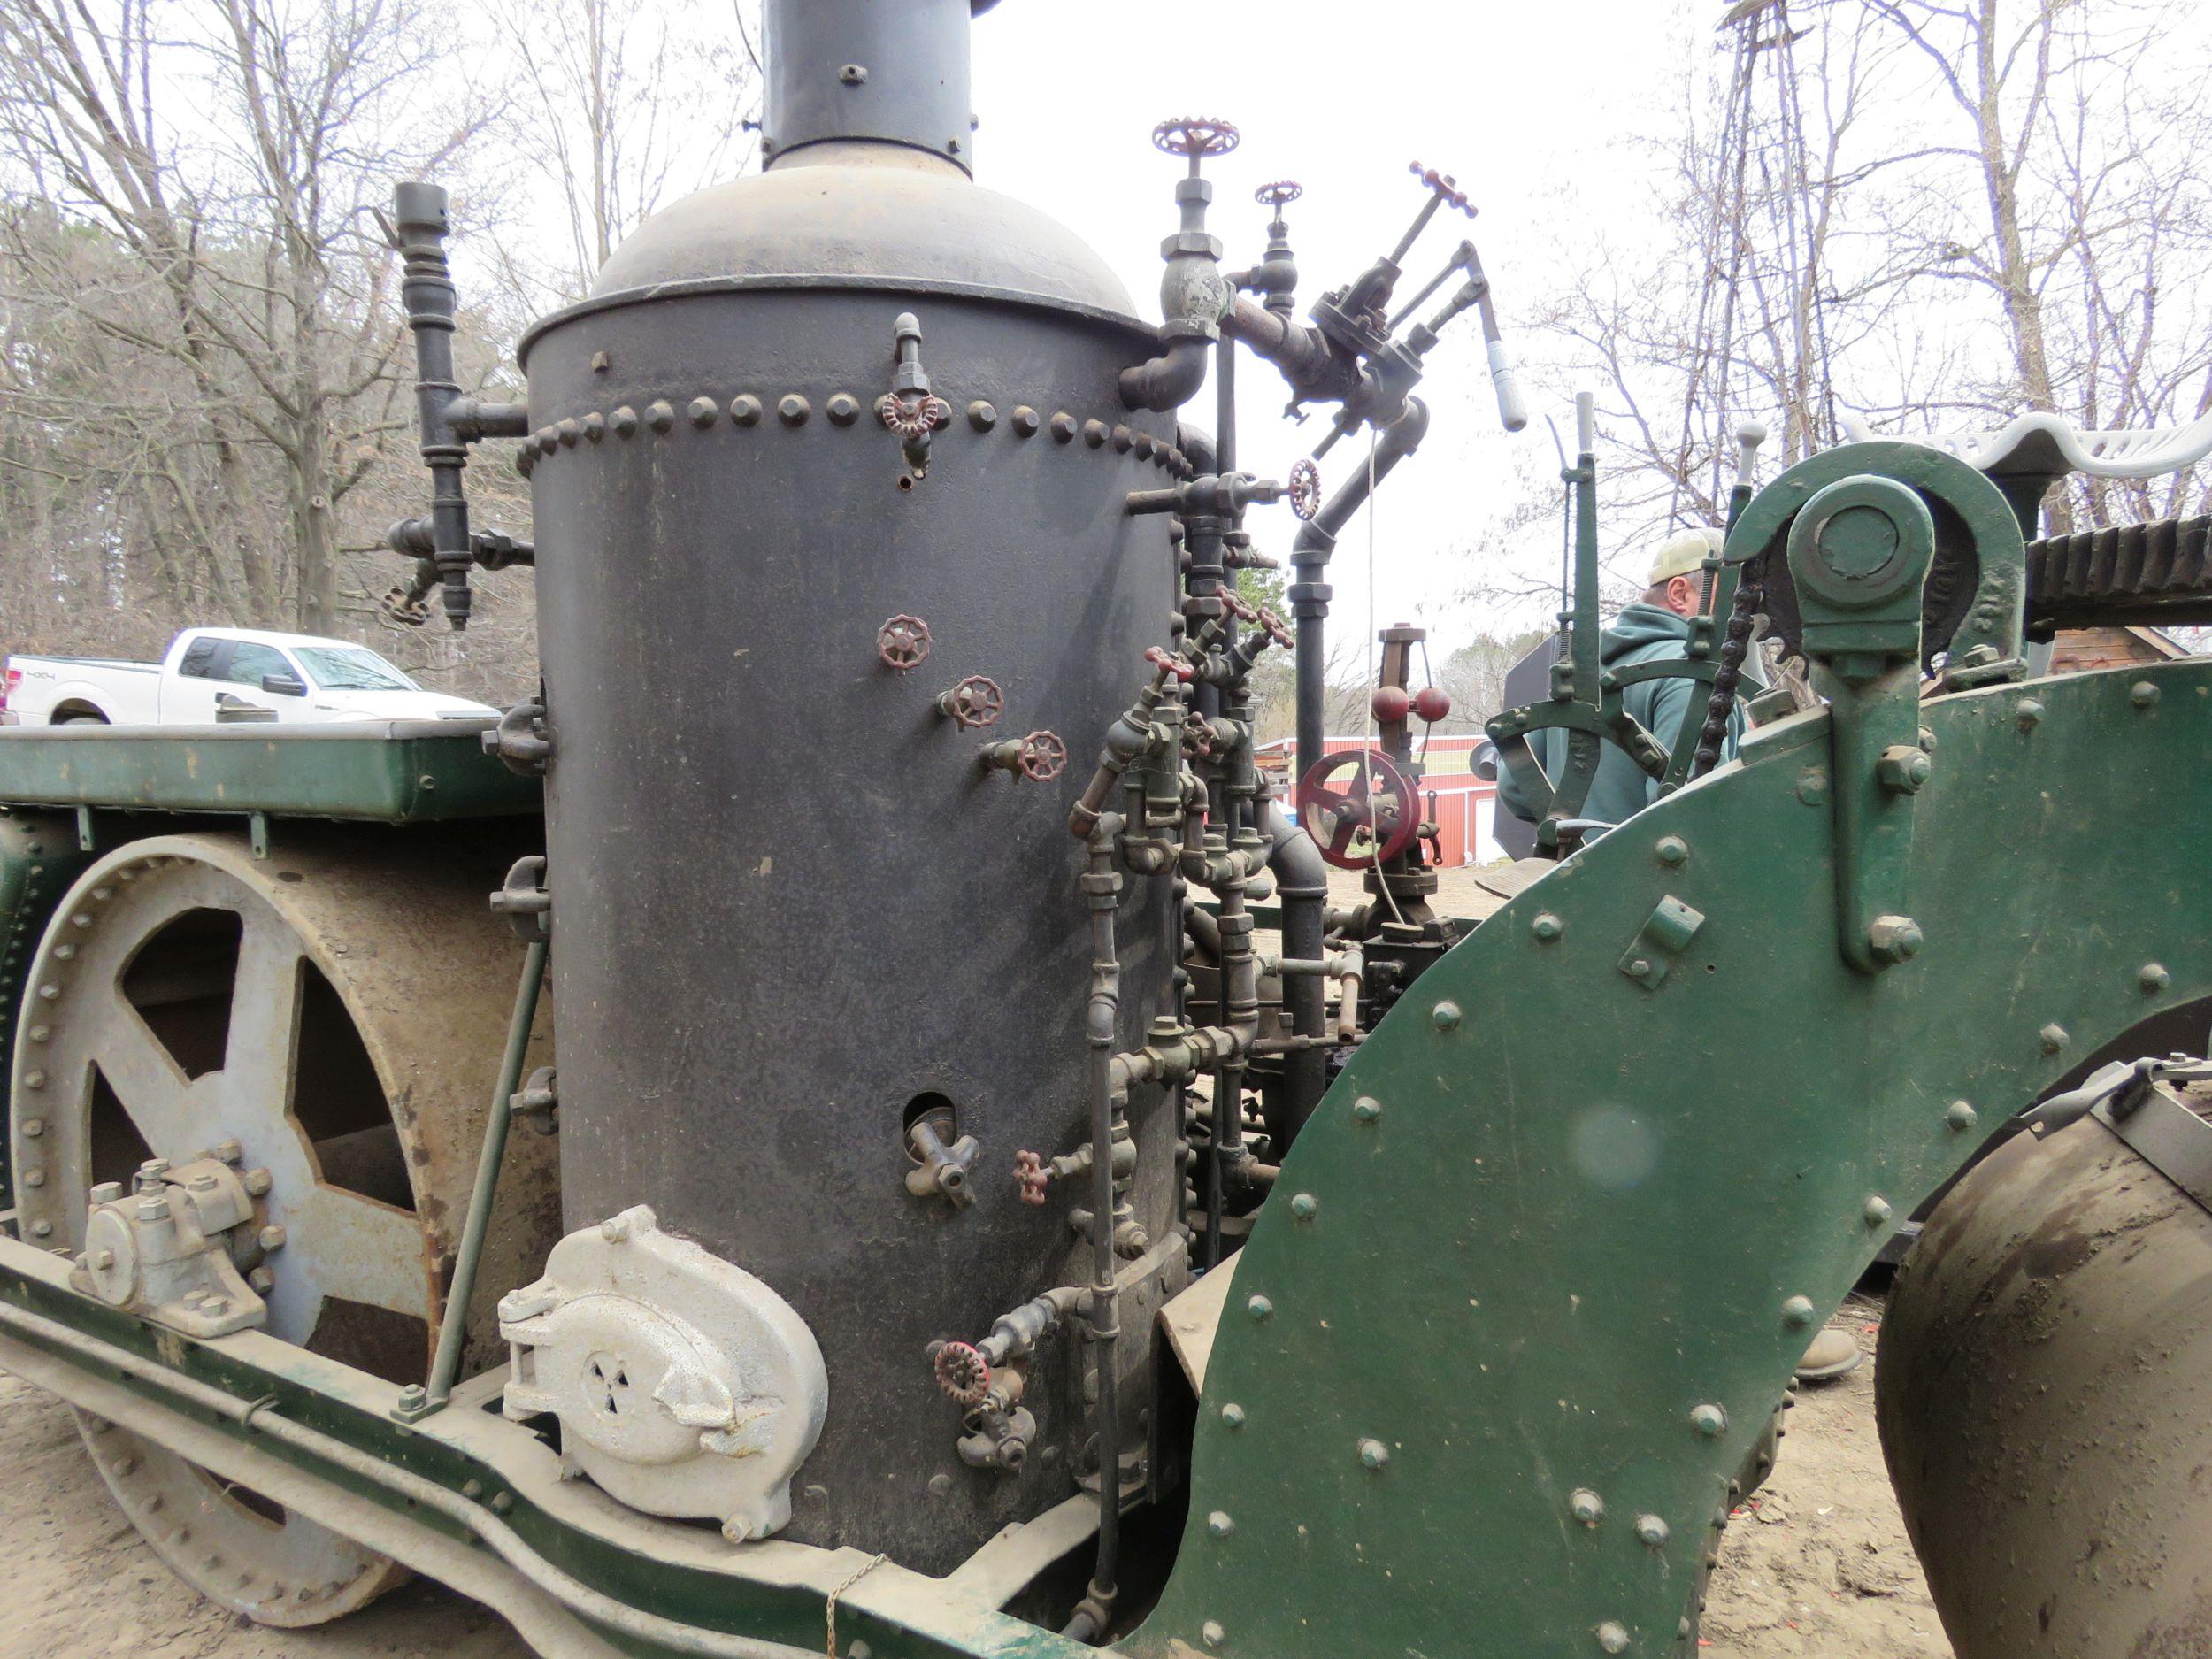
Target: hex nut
[(1895, 939), (1903, 769)]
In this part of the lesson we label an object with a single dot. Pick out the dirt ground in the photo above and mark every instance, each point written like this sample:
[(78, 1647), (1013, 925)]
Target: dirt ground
[(1818, 1568)]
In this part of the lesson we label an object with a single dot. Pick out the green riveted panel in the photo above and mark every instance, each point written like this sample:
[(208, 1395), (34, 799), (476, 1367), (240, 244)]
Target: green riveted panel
[(1562, 1251)]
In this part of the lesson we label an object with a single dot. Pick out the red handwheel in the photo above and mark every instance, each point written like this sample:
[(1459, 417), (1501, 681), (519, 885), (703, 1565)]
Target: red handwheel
[(1359, 808)]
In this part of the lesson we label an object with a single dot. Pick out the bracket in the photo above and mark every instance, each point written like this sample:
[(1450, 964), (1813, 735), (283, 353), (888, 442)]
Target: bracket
[(1859, 551)]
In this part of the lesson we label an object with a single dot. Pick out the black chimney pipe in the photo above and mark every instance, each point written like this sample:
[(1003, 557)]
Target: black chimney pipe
[(892, 72)]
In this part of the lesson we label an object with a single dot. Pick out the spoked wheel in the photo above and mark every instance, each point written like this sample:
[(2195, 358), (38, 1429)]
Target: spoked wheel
[(337, 1011)]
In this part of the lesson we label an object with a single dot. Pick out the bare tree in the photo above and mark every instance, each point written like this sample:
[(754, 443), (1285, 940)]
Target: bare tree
[(630, 104), (191, 211)]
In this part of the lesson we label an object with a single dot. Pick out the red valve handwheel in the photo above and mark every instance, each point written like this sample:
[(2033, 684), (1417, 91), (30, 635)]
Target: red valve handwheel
[(1044, 757), (913, 414), (975, 700), (963, 1372), (1373, 815), (1160, 657), (902, 642), (1305, 488), (1196, 136)]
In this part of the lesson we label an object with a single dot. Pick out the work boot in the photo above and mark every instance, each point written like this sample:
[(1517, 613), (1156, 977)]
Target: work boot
[(1833, 1353)]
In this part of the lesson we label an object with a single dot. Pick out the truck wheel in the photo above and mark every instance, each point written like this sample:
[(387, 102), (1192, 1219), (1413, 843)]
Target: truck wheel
[(329, 1019)]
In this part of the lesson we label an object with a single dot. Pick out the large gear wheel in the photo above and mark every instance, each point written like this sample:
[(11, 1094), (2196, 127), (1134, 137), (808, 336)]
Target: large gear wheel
[(338, 1011)]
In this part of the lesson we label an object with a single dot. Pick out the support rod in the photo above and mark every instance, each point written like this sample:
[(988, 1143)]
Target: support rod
[(446, 1364)]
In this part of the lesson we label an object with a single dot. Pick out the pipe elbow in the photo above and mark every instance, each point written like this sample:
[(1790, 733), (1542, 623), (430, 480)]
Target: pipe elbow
[(1169, 381), (1300, 870)]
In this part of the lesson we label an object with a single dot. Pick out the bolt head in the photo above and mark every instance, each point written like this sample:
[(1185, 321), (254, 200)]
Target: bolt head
[(100, 1261), (228, 1152), (1651, 1530), (107, 1191), (2027, 711), (1373, 1454), (1798, 1312), (1903, 768), (1232, 1416), (2154, 978), (2052, 1038), (1303, 1205), (153, 1210), (1586, 1506), (1671, 851), (1546, 929), (1709, 1420), (1366, 1109), (273, 1237), (1960, 1115), (1446, 1016), (940, 1486), (1612, 1637), (2143, 694), (413, 1397), (1219, 1523), (1877, 1211), (262, 1281), (258, 1182), (1895, 939), (1260, 1308), (1212, 1633)]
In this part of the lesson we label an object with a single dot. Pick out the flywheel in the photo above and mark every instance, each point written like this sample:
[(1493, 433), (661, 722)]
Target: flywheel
[(329, 1021)]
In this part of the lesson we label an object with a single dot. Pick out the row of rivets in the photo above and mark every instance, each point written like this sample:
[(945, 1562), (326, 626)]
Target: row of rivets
[(34, 1176), (844, 410)]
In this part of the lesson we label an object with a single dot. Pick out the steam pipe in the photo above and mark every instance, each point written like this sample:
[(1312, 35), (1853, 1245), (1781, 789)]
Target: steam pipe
[(1302, 881), (1300, 350), (426, 291), (1310, 553), (1102, 889)]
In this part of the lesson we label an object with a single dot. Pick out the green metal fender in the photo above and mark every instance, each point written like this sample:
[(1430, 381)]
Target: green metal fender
[(1537, 1271)]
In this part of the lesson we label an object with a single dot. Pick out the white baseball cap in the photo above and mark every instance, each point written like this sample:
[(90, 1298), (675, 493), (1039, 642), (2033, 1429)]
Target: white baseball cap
[(1682, 553)]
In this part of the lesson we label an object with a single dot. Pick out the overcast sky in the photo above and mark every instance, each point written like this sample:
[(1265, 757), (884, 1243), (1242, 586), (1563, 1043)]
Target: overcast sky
[(1531, 107)]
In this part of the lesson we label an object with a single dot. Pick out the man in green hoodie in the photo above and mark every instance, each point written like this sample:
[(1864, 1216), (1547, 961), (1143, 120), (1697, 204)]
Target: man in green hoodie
[(1654, 629)]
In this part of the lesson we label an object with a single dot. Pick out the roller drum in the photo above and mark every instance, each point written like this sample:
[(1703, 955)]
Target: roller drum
[(2045, 1397)]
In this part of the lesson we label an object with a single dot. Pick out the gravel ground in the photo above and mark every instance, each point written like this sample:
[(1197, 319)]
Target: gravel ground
[(1818, 1568)]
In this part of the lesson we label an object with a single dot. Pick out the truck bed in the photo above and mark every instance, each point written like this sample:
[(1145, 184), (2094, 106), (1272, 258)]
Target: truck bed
[(393, 771)]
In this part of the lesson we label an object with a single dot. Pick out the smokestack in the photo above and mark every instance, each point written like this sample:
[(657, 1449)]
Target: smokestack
[(885, 71)]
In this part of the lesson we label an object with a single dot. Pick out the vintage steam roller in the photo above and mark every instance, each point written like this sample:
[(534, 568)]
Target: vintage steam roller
[(998, 1205)]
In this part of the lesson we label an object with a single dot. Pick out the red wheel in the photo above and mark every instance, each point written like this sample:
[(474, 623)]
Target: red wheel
[(1305, 488), (902, 642), (963, 1372), (1359, 808), (1195, 135), (1044, 757), (975, 700)]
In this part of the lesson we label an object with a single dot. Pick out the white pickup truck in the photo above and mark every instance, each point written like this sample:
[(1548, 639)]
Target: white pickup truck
[(212, 674)]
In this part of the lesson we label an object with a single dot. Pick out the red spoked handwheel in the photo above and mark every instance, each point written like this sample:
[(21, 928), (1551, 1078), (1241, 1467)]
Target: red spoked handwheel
[(1359, 808), (1043, 757)]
